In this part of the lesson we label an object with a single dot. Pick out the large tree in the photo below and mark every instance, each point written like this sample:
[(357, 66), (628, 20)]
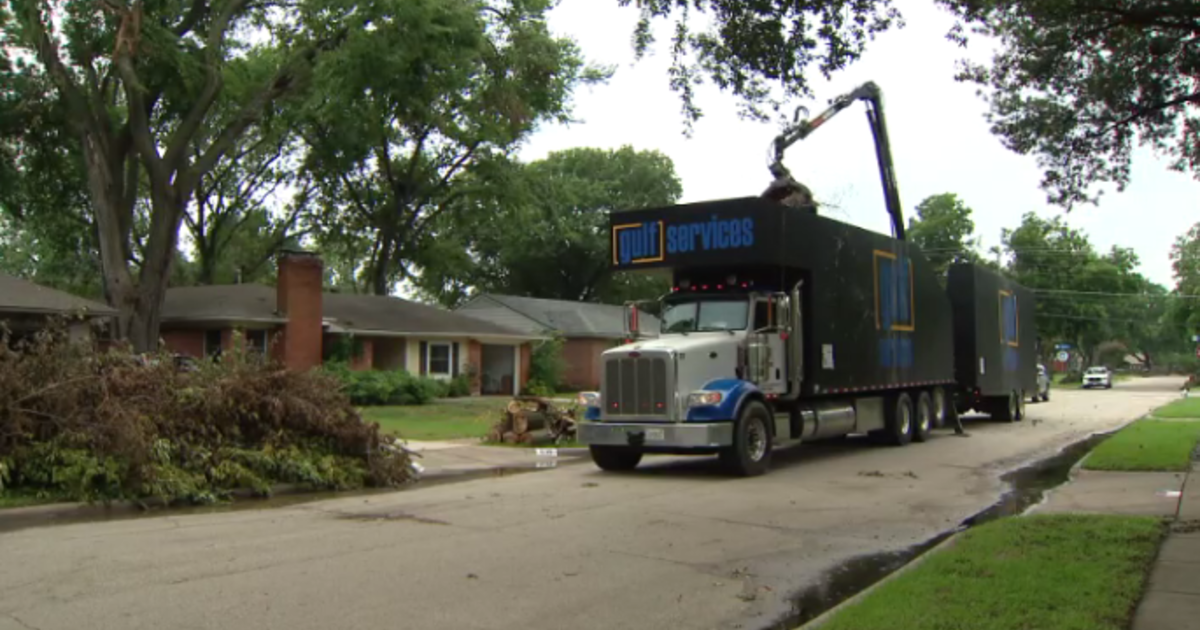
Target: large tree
[(139, 83), (763, 52), (1084, 297), (1185, 261), (1080, 83), (944, 231), (546, 234), (400, 121)]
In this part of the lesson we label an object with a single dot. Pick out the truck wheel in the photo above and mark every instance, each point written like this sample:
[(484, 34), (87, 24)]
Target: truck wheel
[(924, 418), (1005, 409), (615, 458), (899, 419), (750, 454)]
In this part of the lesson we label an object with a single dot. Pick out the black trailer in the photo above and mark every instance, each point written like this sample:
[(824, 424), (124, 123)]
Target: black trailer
[(995, 341), (874, 316)]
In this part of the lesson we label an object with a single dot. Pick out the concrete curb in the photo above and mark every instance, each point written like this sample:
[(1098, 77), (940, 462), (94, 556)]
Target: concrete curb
[(824, 617), (17, 518)]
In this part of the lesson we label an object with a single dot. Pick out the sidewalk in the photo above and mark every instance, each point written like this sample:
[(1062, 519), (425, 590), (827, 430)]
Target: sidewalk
[(461, 456), (1172, 597)]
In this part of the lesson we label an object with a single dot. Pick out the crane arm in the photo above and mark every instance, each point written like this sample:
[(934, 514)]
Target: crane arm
[(870, 94)]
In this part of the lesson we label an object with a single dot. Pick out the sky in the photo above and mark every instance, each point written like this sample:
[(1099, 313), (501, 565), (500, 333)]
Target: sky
[(939, 135)]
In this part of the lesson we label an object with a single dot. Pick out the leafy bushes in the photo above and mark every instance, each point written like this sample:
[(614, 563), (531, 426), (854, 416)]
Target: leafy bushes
[(87, 425), (546, 366), (395, 387)]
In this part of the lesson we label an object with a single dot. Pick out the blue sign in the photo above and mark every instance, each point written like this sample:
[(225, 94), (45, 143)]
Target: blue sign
[(893, 292), (651, 241), (1009, 330), (894, 309)]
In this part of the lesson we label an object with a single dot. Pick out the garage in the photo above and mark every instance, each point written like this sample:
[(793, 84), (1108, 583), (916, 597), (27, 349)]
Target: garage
[(498, 372)]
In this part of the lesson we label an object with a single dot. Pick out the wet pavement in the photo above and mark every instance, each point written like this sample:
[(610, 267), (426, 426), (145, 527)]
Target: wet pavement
[(674, 544)]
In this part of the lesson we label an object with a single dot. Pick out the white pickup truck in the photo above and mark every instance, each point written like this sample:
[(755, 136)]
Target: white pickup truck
[(1097, 376)]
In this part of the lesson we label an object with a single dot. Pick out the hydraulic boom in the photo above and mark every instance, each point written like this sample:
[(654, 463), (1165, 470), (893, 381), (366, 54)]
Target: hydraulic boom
[(869, 93)]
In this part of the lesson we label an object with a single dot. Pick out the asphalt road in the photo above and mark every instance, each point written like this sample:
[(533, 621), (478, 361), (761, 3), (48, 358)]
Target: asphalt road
[(674, 545)]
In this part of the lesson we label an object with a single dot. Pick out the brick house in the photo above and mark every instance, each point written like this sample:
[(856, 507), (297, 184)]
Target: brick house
[(25, 308), (307, 325), (587, 329)]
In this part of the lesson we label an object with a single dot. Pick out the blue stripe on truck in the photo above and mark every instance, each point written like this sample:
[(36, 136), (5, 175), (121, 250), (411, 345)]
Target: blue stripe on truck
[(733, 394)]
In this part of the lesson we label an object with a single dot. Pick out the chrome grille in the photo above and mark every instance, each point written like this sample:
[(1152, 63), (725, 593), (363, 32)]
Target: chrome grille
[(636, 387)]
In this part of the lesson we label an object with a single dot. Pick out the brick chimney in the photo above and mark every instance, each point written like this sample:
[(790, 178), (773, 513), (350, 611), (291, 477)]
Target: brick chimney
[(298, 297)]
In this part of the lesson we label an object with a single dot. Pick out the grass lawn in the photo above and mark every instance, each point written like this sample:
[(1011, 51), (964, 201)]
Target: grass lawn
[(1182, 408), (1147, 445), (15, 499), (1060, 571), (437, 420)]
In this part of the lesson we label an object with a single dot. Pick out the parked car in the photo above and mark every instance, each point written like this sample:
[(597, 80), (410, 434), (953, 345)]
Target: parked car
[(1097, 376), (1043, 385)]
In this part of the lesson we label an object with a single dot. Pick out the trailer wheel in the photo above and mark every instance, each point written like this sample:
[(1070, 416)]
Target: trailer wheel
[(899, 420), (750, 454), (615, 458), (923, 422), (939, 407)]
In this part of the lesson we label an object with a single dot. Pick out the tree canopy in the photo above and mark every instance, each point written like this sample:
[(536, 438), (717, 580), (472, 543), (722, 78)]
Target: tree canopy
[(1076, 83), (547, 235), (944, 231), (1080, 83)]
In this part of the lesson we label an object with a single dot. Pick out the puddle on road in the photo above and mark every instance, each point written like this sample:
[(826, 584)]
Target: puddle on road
[(1027, 487)]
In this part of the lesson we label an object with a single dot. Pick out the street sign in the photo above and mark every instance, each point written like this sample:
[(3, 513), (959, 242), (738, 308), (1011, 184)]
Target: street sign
[(1063, 356), (1062, 346)]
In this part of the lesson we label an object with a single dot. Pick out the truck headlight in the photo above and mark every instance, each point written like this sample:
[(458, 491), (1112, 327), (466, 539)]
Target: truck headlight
[(704, 399)]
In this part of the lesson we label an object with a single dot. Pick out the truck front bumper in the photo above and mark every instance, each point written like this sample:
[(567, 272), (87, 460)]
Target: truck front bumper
[(657, 435)]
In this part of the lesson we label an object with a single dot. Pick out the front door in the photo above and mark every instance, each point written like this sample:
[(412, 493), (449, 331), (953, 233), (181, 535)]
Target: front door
[(769, 323)]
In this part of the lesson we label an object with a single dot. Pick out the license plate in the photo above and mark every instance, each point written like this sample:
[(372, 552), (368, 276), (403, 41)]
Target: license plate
[(655, 435)]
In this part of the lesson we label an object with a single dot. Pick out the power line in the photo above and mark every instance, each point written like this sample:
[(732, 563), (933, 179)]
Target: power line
[(1148, 296)]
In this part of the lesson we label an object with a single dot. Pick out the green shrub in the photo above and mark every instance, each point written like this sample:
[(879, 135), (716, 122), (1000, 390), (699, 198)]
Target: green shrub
[(387, 387), (546, 364), (459, 387), (537, 388), (87, 425)]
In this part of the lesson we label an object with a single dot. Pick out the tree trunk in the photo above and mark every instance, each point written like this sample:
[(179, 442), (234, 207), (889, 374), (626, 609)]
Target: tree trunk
[(166, 215), (106, 186)]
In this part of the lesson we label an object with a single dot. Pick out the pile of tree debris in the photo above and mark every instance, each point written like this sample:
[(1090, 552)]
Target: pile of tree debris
[(534, 420)]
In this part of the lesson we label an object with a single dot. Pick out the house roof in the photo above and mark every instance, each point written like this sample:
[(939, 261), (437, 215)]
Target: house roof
[(224, 302), (343, 312), (366, 313), (23, 296), (571, 319)]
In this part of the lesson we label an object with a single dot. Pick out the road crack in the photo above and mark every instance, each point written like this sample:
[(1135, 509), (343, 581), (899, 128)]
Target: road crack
[(21, 622)]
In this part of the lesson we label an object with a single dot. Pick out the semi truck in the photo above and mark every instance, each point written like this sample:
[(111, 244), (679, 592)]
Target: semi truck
[(783, 326)]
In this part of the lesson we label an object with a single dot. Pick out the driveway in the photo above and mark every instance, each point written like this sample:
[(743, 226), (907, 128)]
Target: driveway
[(673, 545)]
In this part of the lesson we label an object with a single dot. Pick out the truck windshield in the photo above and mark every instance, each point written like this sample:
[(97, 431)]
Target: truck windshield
[(704, 315)]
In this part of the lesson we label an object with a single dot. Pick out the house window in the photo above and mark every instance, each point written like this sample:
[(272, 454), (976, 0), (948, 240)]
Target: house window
[(256, 340), (438, 359), (212, 343)]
